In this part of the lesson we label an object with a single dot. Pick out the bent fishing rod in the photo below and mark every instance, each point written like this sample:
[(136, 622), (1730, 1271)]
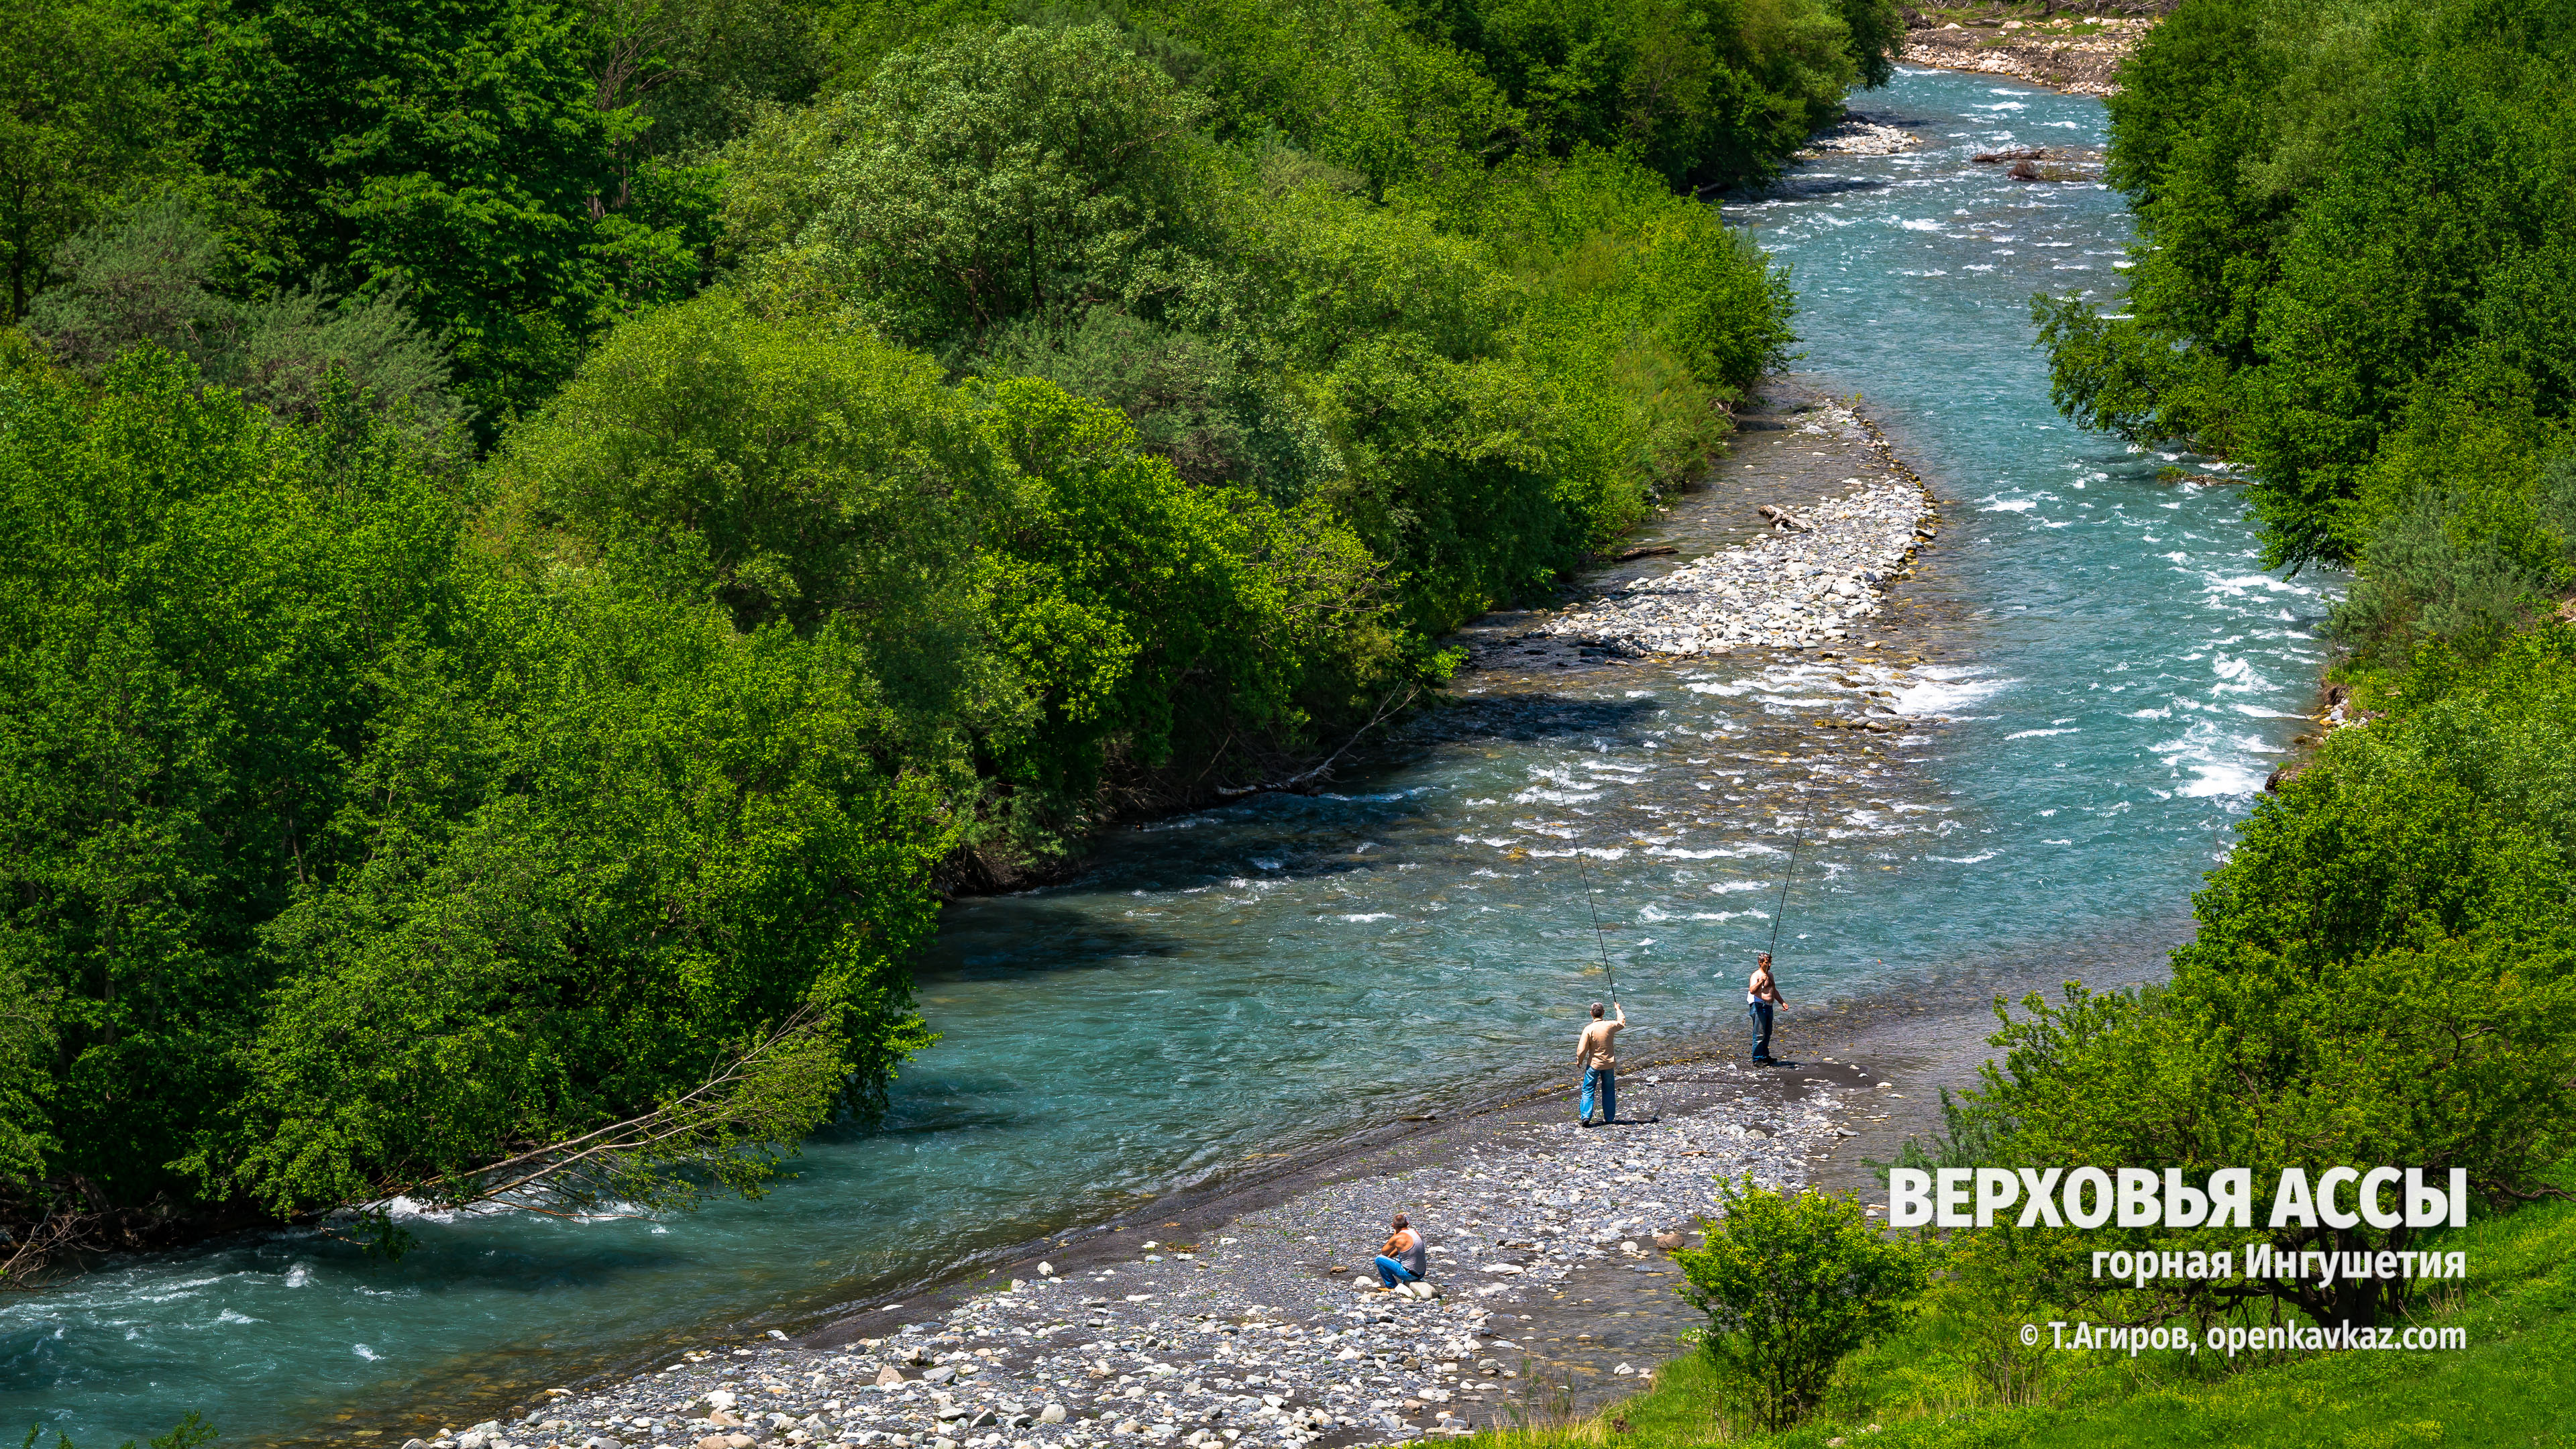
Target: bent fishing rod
[(1596, 924)]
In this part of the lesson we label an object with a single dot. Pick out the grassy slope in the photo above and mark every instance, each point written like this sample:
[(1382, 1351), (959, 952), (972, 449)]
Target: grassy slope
[(2515, 1384)]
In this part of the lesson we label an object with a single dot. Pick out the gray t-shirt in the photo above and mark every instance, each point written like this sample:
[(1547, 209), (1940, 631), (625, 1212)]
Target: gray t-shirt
[(1412, 1255)]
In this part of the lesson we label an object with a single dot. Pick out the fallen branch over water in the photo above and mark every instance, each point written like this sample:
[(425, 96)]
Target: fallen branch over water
[(1304, 780)]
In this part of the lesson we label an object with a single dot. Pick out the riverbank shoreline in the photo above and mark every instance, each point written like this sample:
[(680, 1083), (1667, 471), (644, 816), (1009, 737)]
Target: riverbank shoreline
[(2076, 55), (1248, 1308), (1698, 1116)]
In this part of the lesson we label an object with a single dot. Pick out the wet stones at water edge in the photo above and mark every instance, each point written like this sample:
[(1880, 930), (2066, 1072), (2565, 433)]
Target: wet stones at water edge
[(1816, 580), (1859, 135), (2044, 163), (1244, 1338)]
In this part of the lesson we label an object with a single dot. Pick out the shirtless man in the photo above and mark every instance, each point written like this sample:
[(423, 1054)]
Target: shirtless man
[(1761, 997), (1402, 1258), (1596, 1052)]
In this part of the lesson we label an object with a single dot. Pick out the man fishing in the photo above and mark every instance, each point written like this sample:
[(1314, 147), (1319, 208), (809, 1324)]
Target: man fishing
[(1402, 1258), (1761, 998), (1596, 1053)]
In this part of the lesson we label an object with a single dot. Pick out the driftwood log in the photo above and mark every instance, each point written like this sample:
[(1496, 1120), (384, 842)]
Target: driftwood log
[(1783, 519)]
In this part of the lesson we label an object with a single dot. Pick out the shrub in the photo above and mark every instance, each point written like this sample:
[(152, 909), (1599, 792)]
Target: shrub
[(1791, 1286), (153, 274)]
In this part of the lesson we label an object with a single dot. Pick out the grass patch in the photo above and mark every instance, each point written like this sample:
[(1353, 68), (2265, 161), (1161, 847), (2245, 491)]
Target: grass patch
[(1934, 1386)]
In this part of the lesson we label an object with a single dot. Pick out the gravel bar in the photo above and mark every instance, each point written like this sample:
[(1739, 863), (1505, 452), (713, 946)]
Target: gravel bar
[(1270, 1330), (1816, 581)]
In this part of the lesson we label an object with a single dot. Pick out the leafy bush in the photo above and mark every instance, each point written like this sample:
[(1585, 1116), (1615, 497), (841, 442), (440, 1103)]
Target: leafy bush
[(154, 275), (1192, 399), (2337, 228), (2445, 571), (344, 866), (1715, 94), (999, 174), (1792, 1285), (1025, 587)]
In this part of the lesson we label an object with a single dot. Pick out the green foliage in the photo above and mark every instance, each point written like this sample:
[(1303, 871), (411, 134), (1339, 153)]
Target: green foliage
[(2465, 569), (346, 864), (818, 472), (152, 275), (696, 72), (1715, 92), (1792, 1285), (448, 150), (574, 904), (1191, 398), (1484, 375), (1877, 30), (517, 173), (1145, 616), (1030, 589), (1058, 418), (2349, 217), (1345, 82), (1006, 174), (85, 119), (26, 1081)]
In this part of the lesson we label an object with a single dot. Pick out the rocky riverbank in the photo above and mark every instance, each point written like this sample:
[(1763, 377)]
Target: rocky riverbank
[(2078, 54), (1265, 1327), (1250, 1317), (1818, 579)]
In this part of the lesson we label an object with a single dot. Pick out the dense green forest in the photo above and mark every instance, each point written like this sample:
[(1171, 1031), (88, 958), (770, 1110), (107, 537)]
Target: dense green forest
[(2357, 244), (543, 538)]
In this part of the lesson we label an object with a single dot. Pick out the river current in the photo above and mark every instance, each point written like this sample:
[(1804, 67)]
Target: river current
[(2117, 676)]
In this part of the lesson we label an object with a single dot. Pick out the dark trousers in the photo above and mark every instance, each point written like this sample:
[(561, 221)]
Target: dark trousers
[(1760, 1011)]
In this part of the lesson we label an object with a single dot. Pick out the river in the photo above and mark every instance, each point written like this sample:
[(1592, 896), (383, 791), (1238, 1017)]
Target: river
[(2116, 671)]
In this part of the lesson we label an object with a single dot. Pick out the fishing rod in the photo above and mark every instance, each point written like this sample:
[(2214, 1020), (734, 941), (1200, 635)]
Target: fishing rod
[(1596, 923), (1780, 912)]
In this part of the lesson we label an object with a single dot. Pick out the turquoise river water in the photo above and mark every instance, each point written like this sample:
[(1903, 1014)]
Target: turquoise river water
[(2117, 672)]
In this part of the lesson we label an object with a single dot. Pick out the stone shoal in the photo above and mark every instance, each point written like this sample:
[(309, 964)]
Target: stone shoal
[(1251, 1339), (1792, 588)]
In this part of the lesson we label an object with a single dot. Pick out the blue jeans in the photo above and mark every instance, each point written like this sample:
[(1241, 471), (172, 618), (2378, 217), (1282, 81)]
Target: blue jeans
[(1391, 1272), (1606, 1081), (1760, 1011)]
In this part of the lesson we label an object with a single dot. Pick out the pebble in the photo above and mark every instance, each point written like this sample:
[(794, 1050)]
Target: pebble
[(1241, 1341), (1794, 589)]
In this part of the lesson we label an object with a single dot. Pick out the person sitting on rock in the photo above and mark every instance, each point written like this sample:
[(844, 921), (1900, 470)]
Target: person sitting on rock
[(1595, 1052), (1402, 1259)]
